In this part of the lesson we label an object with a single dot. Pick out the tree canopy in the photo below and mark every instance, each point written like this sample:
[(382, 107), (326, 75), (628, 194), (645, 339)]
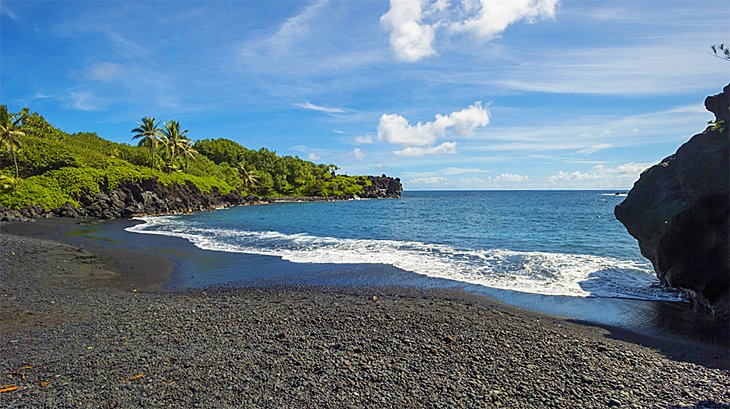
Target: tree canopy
[(54, 167)]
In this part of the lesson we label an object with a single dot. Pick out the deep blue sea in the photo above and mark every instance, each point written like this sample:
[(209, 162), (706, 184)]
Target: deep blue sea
[(564, 243)]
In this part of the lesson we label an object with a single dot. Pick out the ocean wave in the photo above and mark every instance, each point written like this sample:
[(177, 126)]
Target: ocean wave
[(579, 275), (614, 194)]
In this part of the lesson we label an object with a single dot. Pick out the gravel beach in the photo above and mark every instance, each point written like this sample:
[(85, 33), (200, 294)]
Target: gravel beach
[(78, 330)]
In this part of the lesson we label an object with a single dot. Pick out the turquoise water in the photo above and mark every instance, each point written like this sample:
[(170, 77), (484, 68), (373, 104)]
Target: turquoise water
[(565, 243)]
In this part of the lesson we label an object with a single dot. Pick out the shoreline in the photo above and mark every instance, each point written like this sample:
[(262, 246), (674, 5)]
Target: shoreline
[(88, 336), (169, 263), (332, 342)]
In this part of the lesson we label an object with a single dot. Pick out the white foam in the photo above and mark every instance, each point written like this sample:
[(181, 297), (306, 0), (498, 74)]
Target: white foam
[(614, 194), (536, 272)]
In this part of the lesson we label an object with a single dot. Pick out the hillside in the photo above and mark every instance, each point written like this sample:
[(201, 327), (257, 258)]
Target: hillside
[(56, 169)]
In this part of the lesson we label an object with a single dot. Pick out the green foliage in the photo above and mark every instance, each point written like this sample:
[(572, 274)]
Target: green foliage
[(57, 167), (221, 150)]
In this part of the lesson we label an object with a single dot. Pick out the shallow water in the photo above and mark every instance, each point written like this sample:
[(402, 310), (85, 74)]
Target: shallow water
[(556, 243)]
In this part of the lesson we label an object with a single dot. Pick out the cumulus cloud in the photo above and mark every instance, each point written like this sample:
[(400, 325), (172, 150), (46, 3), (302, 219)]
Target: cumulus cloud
[(501, 180), (396, 129), (600, 176), (510, 178), (415, 151), (413, 24), (313, 156), (320, 108), (489, 18), (364, 139), (410, 39), (358, 154)]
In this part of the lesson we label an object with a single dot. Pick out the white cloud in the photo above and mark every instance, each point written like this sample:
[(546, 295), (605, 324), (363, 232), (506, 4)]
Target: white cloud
[(82, 101), (320, 108), (460, 171), (297, 26), (501, 180), (104, 71), (412, 32), (600, 176), (338, 132), (410, 39), (5, 11), (510, 178), (363, 139), (358, 154), (428, 180), (313, 156), (395, 129), (594, 148), (636, 69), (492, 17), (415, 151)]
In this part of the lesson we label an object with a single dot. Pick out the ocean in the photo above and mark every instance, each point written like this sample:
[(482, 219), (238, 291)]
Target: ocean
[(551, 243)]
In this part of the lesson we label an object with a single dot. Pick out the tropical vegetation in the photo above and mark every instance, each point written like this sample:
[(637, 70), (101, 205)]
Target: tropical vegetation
[(43, 166)]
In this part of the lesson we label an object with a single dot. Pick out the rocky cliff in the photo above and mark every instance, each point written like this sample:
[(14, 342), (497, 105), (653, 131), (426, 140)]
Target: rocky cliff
[(154, 198), (679, 212), (383, 187)]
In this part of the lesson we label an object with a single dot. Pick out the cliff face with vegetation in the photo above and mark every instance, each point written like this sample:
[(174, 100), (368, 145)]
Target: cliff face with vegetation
[(679, 211), (83, 175)]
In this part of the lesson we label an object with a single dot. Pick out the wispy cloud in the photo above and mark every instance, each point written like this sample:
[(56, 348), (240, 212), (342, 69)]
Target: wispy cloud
[(461, 171), (591, 134), (646, 68), (5, 11), (83, 101), (320, 108), (594, 148), (415, 151), (104, 71)]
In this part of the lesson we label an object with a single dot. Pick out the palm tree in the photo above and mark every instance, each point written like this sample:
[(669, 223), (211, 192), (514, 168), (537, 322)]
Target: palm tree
[(187, 150), (10, 134), (149, 131), (248, 177), (174, 138)]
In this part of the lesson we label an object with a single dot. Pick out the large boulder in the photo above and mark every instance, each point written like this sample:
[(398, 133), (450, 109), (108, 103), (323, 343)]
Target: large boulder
[(679, 212)]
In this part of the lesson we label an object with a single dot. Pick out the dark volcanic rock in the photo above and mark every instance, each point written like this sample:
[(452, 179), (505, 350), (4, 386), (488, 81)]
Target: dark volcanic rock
[(383, 187), (150, 197), (679, 212)]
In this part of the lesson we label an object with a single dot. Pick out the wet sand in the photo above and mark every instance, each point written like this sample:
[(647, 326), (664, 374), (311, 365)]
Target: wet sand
[(89, 321)]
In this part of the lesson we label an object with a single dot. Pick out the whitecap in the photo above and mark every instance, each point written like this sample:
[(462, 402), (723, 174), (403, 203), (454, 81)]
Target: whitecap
[(578, 275)]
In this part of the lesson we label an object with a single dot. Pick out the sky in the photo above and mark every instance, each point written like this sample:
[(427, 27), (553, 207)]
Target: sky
[(445, 94)]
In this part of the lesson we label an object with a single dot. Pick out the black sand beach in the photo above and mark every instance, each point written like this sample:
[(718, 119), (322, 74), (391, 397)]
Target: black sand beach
[(94, 328)]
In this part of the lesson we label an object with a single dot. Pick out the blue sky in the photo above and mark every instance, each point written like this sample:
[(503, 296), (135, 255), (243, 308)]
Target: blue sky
[(472, 94)]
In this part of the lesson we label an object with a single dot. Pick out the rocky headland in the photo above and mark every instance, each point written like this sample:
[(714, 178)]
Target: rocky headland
[(679, 211), (150, 197)]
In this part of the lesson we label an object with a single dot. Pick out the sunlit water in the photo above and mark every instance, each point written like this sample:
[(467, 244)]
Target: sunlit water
[(551, 243)]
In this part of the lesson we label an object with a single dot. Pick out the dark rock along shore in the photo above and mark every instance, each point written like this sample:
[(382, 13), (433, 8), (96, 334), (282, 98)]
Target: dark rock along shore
[(75, 334), (679, 211), (151, 197)]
